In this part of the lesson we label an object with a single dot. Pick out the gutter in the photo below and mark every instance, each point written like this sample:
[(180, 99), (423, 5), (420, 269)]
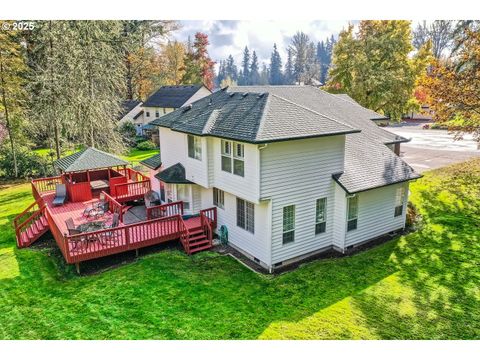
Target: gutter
[(419, 176)]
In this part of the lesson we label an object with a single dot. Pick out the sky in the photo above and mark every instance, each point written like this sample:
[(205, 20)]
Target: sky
[(231, 36)]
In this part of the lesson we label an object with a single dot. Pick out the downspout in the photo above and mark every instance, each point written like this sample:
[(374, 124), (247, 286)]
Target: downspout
[(270, 267)]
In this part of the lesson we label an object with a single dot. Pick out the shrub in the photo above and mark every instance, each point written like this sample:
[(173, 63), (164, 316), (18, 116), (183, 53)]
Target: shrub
[(412, 216), (29, 164), (146, 145), (128, 132)]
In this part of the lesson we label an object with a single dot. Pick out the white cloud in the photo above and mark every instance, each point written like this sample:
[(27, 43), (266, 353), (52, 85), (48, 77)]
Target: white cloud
[(231, 36)]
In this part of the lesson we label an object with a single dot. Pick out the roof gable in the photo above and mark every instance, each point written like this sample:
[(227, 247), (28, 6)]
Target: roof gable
[(88, 159)]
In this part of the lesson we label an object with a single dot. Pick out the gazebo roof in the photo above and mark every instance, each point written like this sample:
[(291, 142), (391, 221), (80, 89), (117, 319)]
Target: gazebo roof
[(88, 159)]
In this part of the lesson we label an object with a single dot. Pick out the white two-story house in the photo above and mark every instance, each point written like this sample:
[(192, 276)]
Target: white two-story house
[(293, 170)]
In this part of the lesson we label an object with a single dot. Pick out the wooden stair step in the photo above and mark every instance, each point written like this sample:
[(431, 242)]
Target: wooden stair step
[(193, 239), (197, 249), (199, 243)]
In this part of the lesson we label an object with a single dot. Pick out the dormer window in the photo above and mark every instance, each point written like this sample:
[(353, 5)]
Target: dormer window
[(233, 154)]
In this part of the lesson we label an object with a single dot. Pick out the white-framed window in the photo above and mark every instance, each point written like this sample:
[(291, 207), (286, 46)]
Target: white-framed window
[(246, 215), (218, 198), (157, 113), (288, 224), (233, 157), (399, 201), (194, 147), (352, 212), (320, 215), (184, 194)]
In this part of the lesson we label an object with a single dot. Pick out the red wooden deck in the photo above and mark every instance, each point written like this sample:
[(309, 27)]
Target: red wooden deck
[(194, 233)]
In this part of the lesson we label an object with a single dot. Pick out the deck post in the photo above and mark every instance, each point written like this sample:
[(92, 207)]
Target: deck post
[(77, 267), (88, 175), (136, 252)]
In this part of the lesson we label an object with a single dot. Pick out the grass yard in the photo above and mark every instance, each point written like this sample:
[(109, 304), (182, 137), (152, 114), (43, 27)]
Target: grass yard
[(425, 285)]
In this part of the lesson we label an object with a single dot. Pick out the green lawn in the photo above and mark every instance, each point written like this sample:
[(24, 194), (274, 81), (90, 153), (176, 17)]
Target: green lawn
[(424, 285)]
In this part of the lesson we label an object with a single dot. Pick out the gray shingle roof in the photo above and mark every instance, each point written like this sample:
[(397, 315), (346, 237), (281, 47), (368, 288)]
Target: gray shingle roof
[(254, 117), (368, 162), (172, 96), (153, 162), (127, 106), (174, 174), (88, 159)]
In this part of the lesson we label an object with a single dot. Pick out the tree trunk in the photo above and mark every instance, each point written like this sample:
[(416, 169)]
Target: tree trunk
[(55, 119), (7, 119)]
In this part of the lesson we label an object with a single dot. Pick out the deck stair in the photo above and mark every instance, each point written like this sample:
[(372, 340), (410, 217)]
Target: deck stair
[(30, 225), (196, 234), (198, 240)]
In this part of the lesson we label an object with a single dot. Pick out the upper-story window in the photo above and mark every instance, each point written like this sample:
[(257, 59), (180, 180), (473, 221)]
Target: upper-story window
[(147, 113), (352, 213), (399, 201), (157, 113), (233, 155), (194, 147)]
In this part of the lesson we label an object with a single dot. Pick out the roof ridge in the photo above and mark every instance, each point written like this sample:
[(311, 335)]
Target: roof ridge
[(264, 114), (313, 111)]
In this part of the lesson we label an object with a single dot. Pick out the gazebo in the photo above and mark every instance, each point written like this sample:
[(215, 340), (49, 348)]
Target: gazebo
[(90, 171)]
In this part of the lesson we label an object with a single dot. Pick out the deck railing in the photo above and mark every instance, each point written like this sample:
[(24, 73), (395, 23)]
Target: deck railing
[(207, 226), (25, 214), (31, 223), (113, 205), (105, 242), (184, 234), (133, 175), (59, 237), (44, 185), (132, 190), (159, 211), (211, 214)]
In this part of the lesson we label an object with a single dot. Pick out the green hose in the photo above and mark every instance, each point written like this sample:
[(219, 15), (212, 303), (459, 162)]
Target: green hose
[(223, 234)]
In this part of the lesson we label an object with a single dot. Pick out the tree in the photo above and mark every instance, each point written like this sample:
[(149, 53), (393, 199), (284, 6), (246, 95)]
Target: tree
[(439, 33), (245, 78), (231, 69), (288, 77), (374, 66), (254, 70), (227, 82), (12, 94), (172, 62), (324, 57), (452, 87), (299, 47), (137, 44), (264, 75), (275, 72), (198, 64)]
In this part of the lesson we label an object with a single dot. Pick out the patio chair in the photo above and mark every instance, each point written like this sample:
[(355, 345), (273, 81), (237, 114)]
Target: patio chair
[(111, 236), (60, 195), (72, 230), (97, 209), (151, 198)]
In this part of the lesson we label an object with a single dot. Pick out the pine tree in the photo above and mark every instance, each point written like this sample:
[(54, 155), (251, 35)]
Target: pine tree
[(288, 77), (245, 79), (275, 73), (254, 73), (299, 47), (222, 73), (231, 69), (198, 64), (264, 76)]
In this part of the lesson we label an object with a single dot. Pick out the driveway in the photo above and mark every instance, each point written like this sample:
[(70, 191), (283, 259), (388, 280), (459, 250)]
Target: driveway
[(432, 149)]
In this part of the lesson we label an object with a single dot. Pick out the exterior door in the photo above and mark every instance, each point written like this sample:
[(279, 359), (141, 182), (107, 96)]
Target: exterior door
[(184, 193)]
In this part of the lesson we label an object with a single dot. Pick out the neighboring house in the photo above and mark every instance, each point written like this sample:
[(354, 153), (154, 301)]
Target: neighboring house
[(293, 170), (167, 99), (131, 111)]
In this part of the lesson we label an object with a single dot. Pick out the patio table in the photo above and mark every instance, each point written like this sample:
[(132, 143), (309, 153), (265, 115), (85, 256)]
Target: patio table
[(99, 184), (91, 226)]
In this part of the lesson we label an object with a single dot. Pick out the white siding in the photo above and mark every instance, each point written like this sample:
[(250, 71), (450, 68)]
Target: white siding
[(154, 182), (257, 244), (376, 214), (245, 187), (298, 173), (196, 199)]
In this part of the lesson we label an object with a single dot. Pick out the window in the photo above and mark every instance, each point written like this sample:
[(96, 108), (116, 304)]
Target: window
[(246, 215), (399, 201), (321, 216), (194, 147), (233, 157), (288, 224), (183, 194), (147, 113), (162, 191), (157, 113), (218, 198), (352, 213)]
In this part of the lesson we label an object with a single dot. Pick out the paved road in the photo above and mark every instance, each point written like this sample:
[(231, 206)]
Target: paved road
[(431, 149)]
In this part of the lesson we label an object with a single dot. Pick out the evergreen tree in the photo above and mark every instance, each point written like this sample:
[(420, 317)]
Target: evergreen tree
[(288, 77), (299, 47), (245, 79), (231, 69), (264, 76), (12, 94), (254, 70), (275, 74), (198, 64), (222, 73)]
